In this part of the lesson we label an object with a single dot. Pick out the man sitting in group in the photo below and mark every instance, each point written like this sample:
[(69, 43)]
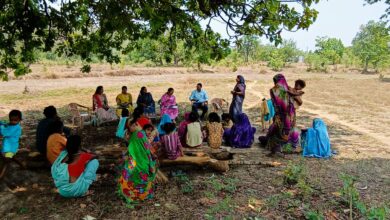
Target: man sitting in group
[(199, 100)]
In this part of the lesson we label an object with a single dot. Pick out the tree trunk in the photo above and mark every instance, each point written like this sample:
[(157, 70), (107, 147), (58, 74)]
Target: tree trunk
[(365, 70)]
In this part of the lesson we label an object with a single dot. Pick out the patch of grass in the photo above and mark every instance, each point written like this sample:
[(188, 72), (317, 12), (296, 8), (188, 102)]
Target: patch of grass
[(186, 185), (226, 205), (293, 173), (227, 185), (314, 215), (351, 197)]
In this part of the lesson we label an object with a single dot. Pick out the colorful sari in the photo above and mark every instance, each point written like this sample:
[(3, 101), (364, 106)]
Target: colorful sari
[(182, 131), (282, 132), (238, 100), (315, 141), (136, 180), (146, 101), (169, 106), (60, 174), (242, 134)]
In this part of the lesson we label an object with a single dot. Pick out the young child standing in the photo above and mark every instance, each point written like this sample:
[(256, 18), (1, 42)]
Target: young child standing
[(214, 131), (11, 133), (170, 142)]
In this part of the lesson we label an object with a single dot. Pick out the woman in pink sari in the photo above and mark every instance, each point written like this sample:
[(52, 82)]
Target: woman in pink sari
[(168, 104), (100, 106)]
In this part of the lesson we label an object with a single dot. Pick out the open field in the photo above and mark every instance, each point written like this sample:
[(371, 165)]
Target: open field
[(356, 108)]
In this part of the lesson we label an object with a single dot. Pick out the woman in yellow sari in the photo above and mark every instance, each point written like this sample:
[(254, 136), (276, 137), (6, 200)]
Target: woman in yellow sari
[(124, 100)]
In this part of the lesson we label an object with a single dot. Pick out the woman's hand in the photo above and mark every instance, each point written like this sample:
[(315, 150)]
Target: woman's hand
[(232, 92)]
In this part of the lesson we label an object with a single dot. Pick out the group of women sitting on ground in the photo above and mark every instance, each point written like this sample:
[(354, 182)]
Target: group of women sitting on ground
[(74, 169)]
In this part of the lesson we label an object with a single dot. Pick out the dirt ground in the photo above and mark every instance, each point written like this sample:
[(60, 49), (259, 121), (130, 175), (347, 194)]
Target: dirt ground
[(355, 107)]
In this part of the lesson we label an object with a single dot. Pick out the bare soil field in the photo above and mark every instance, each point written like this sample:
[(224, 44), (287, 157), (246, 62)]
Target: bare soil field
[(355, 107)]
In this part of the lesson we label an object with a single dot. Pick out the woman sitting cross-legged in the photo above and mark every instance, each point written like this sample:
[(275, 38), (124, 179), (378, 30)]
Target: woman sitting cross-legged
[(138, 172), (74, 170), (214, 130), (241, 135), (194, 137)]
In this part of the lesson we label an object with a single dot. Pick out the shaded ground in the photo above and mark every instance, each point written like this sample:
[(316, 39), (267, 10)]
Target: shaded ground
[(246, 190)]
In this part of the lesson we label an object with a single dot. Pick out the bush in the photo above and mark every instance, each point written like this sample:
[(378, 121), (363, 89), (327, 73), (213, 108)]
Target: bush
[(276, 61)]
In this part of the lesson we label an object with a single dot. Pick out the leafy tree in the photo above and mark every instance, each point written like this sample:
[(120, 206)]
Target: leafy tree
[(100, 28), (276, 61), (316, 62), (247, 46), (331, 49), (387, 12), (371, 44), (289, 51)]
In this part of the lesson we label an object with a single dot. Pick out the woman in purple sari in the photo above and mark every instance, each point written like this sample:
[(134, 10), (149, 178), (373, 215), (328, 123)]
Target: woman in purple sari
[(241, 135), (282, 133), (168, 105), (238, 98)]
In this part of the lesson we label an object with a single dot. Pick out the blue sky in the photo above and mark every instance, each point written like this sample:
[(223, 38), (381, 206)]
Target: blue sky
[(337, 18)]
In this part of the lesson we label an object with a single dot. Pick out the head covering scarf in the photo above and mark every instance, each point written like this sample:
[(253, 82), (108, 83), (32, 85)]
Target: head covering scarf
[(315, 142), (142, 121), (241, 135), (139, 170), (165, 119), (283, 104), (282, 132)]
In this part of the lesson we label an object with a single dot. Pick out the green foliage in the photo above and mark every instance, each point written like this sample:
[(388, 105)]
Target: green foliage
[(102, 28), (247, 47), (276, 61), (294, 173), (314, 215), (227, 185), (370, 45), (289, 51), (351, 196), (223, 206), (315, 62), (331, 49), (186, 186)]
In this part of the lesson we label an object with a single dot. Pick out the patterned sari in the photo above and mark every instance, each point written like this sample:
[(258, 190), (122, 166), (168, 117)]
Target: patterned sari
[(282, 132), (238, 100), (136, 181), (169, 106)]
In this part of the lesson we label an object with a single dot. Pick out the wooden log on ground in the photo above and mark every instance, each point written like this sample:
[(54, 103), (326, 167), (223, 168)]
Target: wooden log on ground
[(220, 166)]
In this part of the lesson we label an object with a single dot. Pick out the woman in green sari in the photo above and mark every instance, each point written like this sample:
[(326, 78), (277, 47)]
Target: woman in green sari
[(136, 180)]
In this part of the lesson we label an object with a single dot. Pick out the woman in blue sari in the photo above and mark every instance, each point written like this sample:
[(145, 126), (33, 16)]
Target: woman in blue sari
[(238, 98), (315, 140), (145, 100)]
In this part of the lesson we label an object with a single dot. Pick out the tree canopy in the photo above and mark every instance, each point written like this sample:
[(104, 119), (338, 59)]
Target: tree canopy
[(370, 45), (86, 27)]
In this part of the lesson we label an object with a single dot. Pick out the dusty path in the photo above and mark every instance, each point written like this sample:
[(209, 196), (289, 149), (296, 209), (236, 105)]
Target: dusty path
[(321, 112)]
